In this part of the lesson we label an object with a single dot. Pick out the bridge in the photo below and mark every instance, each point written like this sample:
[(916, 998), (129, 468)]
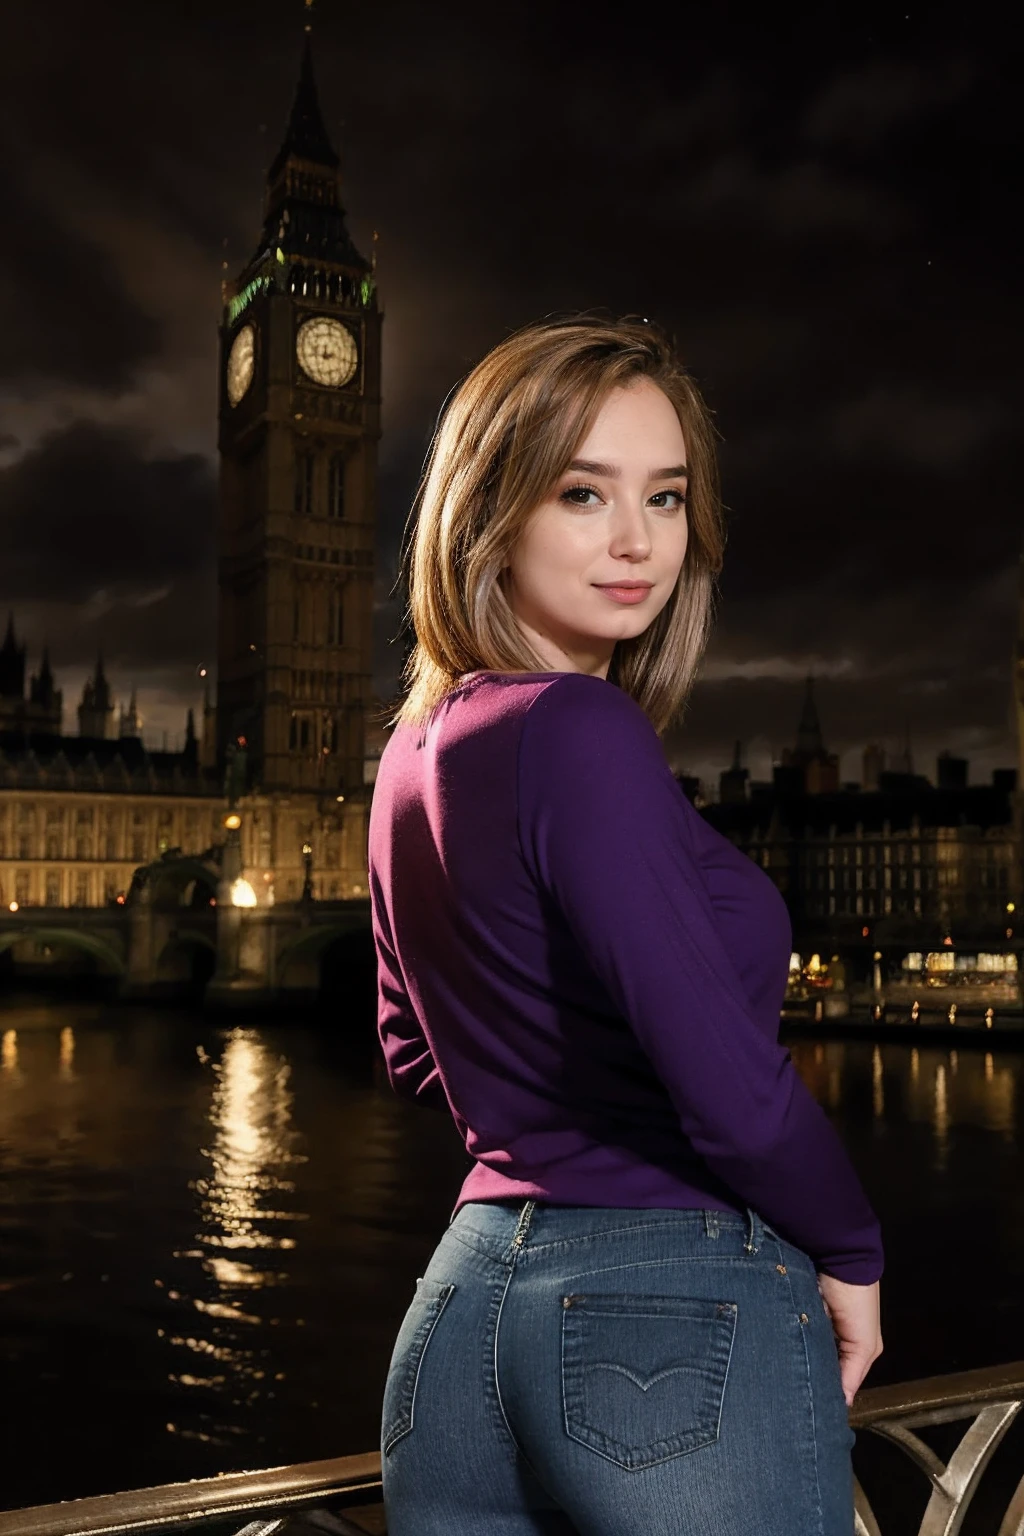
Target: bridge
[(179, 933)]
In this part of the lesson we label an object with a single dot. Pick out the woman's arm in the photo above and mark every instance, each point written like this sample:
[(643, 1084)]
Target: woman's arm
[(412, 1070), (606, 830)]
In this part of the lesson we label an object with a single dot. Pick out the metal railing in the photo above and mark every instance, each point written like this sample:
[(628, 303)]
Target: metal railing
[(344, 1482), (991, 1398)]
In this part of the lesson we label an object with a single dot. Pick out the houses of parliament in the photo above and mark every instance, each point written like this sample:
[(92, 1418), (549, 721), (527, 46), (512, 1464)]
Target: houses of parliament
[(282, 752), (285, 742)]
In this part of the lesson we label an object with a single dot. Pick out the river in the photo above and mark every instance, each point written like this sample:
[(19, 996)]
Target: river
[(209, 1232)]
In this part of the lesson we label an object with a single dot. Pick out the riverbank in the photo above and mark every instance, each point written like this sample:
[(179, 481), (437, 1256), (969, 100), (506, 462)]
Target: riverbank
[(930, 1030)]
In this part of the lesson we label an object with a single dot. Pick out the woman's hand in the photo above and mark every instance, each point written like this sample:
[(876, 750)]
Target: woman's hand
[(854, 1312)]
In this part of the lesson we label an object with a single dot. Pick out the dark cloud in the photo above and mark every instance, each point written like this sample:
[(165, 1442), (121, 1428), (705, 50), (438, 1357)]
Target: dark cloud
[(863, 107), (101, 540), (63, 313), (814, 202)]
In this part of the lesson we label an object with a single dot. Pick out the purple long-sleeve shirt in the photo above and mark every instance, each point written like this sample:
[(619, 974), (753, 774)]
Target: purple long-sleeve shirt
[(589, 977)]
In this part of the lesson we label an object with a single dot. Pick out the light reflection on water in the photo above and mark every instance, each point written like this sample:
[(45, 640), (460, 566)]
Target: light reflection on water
[(241, 1206), (209, 1236)]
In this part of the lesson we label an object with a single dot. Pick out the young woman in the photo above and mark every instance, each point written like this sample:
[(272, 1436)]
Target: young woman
[(658, 1292)]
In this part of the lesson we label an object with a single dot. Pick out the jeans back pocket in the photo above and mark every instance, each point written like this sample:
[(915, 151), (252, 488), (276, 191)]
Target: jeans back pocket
[(643, 1377), (407, 1357)]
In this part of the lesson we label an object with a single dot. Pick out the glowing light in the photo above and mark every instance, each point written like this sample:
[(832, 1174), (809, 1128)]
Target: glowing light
[(249, 292), (233, 821), (13, 907), (242, 893), (307, 850), (120, 898)]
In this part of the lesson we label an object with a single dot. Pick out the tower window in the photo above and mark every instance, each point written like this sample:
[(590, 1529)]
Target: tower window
[(336, 487), (304, 484), (334, 619)]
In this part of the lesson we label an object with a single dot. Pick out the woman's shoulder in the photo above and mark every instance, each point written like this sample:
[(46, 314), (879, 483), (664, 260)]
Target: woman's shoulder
[(580, 700), (581, 720)]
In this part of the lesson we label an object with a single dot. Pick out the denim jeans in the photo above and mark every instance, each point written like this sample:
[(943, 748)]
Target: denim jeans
[(604, 1372)]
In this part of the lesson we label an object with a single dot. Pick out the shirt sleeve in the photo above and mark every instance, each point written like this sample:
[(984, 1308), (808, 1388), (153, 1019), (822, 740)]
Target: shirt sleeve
[(412, 1071), (606, 831)]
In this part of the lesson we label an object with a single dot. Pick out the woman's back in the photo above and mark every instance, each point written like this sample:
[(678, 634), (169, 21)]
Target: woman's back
[(588, 975)]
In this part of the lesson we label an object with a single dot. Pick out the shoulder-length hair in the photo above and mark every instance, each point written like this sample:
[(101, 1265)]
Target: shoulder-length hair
[(510, 431)]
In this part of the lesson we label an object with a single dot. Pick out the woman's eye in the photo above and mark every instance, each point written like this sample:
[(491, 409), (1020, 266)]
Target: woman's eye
[(574, 494)]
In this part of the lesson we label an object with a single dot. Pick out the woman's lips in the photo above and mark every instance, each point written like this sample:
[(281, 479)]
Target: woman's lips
[(624, 594)]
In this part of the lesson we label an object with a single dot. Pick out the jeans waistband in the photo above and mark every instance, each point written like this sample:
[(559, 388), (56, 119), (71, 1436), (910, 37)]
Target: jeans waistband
[(517, 1223)]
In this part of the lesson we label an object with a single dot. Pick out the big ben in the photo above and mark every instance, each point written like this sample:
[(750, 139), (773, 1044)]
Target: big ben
[(299, 425)]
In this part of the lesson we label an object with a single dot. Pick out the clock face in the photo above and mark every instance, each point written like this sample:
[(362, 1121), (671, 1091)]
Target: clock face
[(326, 351), (241, 359)]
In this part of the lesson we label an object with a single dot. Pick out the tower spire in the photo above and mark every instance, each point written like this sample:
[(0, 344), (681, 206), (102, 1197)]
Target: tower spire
[(305, 137), (808, 736)]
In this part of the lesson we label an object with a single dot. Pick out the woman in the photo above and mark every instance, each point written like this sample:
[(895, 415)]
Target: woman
[(658, 1292)]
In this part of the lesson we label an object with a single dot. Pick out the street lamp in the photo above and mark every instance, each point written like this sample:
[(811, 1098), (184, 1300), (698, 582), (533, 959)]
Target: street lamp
[(307, 883)]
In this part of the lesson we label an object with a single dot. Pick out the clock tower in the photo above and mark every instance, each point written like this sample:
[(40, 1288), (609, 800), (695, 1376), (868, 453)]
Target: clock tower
[(299, 424)]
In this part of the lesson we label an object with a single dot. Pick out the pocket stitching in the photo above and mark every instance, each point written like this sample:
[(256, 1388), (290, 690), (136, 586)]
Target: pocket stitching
[(409, 1379), (721, 1318)]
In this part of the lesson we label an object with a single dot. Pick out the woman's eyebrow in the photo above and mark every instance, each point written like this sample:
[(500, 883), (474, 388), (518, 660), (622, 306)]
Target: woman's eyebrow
[(612, 471)]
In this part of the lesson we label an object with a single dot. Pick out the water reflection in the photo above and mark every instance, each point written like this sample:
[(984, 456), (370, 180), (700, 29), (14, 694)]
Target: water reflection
[(940, 1088), (66, 1059), (210, 1236), (243, 1206)]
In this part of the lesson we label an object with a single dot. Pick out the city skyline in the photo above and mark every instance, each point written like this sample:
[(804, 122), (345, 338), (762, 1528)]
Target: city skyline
[(852, 335)]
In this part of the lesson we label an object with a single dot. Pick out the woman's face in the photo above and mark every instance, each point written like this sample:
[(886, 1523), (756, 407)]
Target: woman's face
[(616, 515)]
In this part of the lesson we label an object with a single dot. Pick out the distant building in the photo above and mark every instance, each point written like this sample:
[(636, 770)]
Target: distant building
[(808, 766), (732, 781), (130, 723), (944, 856), (79, 813), (43, 709), (97, 713), (299, 424)]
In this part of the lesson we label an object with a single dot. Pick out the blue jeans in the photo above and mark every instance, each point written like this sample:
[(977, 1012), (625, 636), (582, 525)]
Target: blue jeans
[(604, 1372)]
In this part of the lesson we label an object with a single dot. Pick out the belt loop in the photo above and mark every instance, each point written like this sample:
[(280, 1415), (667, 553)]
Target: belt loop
[(751, 1245), (711, 1223)]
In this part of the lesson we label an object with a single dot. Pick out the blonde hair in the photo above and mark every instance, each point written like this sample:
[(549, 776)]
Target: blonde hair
[(508, 434)]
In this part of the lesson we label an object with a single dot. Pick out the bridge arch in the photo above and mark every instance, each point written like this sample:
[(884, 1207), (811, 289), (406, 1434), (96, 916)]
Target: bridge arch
[(189, 958), (109, 961), (180, 882), (338, 960)]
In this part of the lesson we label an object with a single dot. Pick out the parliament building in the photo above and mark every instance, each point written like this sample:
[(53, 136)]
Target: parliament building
[(284, 746)]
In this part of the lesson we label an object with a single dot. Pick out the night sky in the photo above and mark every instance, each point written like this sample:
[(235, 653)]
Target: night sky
[(820, 205)]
